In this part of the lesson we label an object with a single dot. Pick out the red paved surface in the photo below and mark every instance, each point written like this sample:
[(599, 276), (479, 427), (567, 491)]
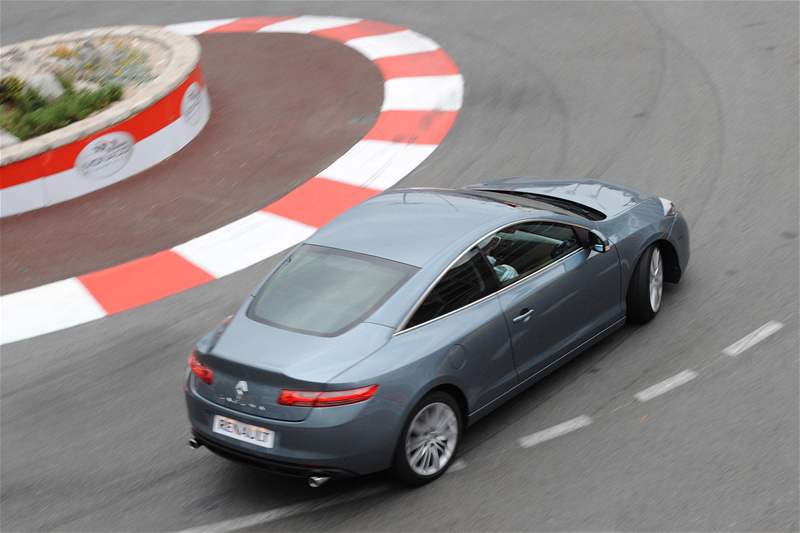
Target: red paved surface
[(436, 63), (364, 28), (318, 201), (283, 108), (247, 24), (143, 281)]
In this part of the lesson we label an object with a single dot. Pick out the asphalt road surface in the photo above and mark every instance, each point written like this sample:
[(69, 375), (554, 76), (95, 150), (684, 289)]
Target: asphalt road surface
[(695, 102)]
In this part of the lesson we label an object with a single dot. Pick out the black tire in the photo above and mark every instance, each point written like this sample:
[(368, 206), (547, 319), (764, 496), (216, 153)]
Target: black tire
[(639, 309), (401, 469)]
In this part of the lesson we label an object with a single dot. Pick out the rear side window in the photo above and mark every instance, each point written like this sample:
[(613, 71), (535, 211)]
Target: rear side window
[(519, 250), (468, 280), (325, 291)]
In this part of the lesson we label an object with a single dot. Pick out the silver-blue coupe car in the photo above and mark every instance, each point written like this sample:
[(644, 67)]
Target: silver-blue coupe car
[(378, 340)]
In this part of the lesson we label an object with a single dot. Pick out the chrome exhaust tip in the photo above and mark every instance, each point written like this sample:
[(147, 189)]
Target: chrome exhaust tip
[(194, 444), (317, 481)]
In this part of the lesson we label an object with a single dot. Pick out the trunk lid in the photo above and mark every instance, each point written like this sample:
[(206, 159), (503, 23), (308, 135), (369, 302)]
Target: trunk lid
[(611, 200), (253, 361)]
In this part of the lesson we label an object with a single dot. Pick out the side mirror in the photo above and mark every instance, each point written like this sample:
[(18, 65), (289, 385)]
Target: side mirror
[(599, 243), (592, 240)]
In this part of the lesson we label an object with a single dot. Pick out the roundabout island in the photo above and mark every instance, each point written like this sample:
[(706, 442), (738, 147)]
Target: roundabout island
[(87, 109)]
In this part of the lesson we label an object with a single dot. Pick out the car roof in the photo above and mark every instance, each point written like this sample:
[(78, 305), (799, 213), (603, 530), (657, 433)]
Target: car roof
[(414, 226)]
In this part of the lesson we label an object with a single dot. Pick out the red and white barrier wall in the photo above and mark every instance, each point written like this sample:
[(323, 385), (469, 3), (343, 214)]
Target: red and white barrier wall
[(423, 92), (127, 142)]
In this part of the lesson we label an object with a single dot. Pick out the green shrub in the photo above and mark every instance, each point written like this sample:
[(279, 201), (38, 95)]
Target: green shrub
[(30, 100), (34, 116), (66, 81), (11, 88)]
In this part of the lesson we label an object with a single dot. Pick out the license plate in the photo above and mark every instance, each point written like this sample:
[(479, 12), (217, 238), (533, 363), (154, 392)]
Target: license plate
[(243, 432)]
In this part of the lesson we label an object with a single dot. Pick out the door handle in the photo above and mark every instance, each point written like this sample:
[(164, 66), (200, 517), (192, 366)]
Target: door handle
[(523, 316)]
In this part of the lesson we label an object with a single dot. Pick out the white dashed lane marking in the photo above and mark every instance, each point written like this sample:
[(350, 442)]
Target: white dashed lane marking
[(528, 441), (555, 431), (751, 339), (459, 464), (288, 511), (665, 386)]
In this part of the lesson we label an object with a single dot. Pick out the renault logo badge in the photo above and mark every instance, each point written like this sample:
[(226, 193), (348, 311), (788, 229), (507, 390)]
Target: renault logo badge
[(241, 390)]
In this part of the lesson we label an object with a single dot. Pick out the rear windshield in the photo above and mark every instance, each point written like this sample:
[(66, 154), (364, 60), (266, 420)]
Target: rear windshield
[(325, 291)]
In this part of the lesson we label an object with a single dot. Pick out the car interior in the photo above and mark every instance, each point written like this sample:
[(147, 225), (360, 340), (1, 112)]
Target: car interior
[(520, 249), (531, 246)]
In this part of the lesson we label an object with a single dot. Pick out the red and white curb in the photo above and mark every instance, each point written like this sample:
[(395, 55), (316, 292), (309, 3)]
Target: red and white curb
[(109, 155), (423, 92)]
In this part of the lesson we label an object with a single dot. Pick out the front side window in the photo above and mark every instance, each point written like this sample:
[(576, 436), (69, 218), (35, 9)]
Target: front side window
[(522, 249), (468, 280), (325, 291)]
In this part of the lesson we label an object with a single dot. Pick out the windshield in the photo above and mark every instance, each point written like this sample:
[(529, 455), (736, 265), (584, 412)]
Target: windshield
[(325, 291)]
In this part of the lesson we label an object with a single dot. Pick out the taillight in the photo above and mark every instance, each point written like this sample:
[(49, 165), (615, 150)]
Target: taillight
[(326, 399), (199, 369)]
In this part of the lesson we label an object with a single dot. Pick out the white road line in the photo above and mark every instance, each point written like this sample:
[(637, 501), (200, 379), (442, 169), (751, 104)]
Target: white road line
[(751, 339), (423, 93), (377, 164), (288, 511), (307, 24), (392, 44), (665, 386), (58, 305), (555, 431), (243, 242), (459, 464)]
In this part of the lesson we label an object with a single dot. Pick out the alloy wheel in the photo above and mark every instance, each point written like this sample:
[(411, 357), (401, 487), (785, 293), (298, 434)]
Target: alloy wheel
[(431, 439), (656, 280)]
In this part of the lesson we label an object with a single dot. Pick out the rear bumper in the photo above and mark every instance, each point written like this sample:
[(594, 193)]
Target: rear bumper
[(235, 453), (346, 440)]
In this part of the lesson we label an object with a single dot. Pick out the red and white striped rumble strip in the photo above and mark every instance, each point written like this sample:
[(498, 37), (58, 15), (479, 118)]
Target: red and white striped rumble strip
[(423, 93)]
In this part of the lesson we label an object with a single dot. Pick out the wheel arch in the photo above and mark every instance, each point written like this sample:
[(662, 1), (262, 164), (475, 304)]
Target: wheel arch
[(457, 394), (447, 386), (669, 257)]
